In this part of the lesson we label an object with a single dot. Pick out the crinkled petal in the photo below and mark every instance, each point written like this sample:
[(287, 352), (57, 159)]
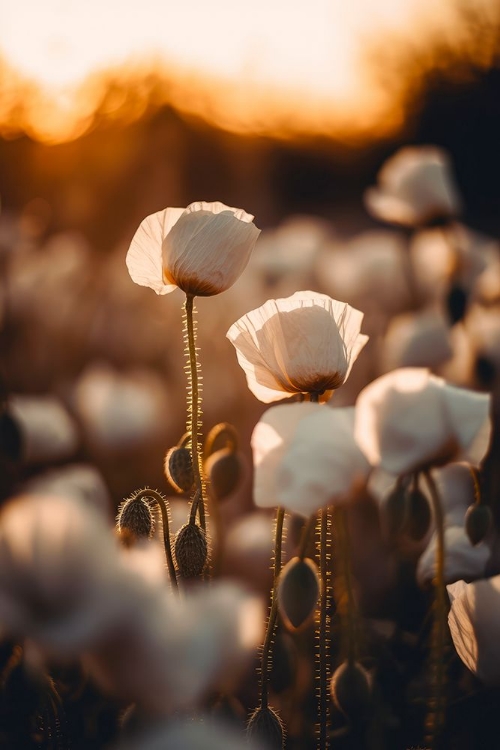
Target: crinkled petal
[(144, 257), (322, 463)]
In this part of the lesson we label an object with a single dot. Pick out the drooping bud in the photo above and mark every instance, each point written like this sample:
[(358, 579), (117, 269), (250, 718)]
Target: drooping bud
[(191, 550), (478, 520), (135, 518), (223, 469), (266, 727), (298, 591), (223, 435), (350, 689), (179, 468)]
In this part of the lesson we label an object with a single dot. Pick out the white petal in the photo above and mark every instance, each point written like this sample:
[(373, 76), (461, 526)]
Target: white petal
[(144, 258), (322, 463), (462, 560), (217, 207), (469, 414), (270, 439)]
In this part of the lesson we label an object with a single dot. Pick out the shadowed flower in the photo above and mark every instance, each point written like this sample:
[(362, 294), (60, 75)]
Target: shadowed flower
[(306, 343), (305, 457), (409, 420), (474, 621), (201, 249), (415, 188)]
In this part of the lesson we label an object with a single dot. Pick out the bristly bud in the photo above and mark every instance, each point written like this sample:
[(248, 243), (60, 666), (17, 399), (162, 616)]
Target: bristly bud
[(223, 470), (298, 592), (266, 727), (135, 518), (191, 550), (223, 435), (350, 689), (179, 468), (478, 521)]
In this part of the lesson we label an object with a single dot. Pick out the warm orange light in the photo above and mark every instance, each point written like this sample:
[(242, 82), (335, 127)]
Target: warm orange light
[(261, 66)]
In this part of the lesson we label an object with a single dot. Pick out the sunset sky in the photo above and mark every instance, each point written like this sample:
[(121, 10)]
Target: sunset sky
[(254, 57)]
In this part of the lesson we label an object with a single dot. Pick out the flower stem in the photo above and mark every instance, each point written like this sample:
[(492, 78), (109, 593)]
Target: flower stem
[(161, 503), (323, 632), (349, 608), (437, 704), (194, 402), (273, 614)]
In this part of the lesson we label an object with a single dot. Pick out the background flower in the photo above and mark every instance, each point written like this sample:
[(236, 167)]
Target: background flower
[(306, 343)]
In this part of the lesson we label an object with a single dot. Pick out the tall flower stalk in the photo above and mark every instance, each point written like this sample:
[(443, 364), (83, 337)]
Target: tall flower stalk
[(273, 613)]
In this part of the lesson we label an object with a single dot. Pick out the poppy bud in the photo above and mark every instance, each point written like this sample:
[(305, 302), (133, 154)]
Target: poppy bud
[(135, 518), (266, 727), (298, 591), (223, 470), (223, 435), (191, 550), (477, 523), (179, 468), (351, 690)]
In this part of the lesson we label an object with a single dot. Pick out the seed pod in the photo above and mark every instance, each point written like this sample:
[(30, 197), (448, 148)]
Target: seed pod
[(266, 727), (179, 469), (223, 435), (135, 518), (350, 689), (418, 515), (298, 591), (223, 470), (477, 522), (191, 550)]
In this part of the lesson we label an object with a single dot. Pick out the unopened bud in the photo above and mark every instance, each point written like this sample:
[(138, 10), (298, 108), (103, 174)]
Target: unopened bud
[(191, 550), (223, 469), (478, 521), (266, 727), (223, 435), (135, 518), (298, 591), (179, 468), (350, 689)]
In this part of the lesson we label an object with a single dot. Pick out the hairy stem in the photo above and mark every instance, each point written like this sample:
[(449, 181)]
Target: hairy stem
[(437, 703), (161, 503), (273, 614), (323, 633)]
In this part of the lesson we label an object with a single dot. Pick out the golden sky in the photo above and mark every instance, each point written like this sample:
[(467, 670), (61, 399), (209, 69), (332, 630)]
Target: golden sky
[(245, 65)]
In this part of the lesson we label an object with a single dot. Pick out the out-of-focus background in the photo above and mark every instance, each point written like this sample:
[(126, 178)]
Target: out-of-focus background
[(112, 111)]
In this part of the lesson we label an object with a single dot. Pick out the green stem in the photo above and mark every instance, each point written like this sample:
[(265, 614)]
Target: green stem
[(160, 501), (194, 411), (273, 614), (437, 707)]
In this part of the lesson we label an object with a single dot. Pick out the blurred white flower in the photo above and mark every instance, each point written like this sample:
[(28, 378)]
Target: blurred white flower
[(48, 433), (305, 457), (474, 621), (76, 481), (483, 327), (202, 733), (201, 249), (169, 652), (58, 572), (416, 339), (409, 419), (306, 343), (415, 187)]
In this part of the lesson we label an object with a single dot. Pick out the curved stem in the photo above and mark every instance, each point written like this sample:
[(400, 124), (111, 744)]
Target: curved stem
[(436, 716), (161, 503), (273, 614), (194, 412)]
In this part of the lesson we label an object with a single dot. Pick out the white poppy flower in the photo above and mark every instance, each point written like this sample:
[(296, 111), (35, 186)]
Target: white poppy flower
[(305, 457), (409, 419), (48, 433), (474, 621), (59, 575), (201, 249), (415, 187), (306, 343), (416, 339)]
